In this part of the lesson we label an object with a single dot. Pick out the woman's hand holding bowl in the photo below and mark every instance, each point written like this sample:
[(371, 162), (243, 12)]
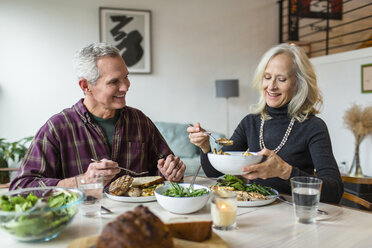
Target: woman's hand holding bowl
[(273, 166)]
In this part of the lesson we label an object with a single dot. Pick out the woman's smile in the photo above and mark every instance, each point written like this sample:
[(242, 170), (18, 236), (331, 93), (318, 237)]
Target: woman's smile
[(279, 82)]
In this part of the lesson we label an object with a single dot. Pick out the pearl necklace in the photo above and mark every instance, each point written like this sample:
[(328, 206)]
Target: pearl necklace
[(282, 143)]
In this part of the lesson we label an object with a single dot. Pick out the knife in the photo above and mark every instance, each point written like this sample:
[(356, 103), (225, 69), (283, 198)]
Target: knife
[(106, 209)]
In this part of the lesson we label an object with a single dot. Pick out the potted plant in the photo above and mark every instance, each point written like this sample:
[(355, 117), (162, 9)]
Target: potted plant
[(11, 151)]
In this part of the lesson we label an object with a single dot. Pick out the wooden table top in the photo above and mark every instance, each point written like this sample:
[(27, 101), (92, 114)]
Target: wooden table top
[(272, 225)]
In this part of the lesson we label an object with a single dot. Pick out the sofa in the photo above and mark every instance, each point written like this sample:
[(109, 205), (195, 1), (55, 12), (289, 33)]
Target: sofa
[(178, 140)]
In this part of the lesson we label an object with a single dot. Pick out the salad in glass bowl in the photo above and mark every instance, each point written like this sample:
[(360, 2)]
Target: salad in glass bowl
[(38, 214)]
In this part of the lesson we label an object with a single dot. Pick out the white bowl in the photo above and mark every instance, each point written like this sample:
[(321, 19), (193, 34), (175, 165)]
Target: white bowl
[(181, 205), (232, 164)]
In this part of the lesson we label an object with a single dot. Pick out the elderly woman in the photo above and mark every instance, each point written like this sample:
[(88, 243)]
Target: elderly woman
[(283, 127)]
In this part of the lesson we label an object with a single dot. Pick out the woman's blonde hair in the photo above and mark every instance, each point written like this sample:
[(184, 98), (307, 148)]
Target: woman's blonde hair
[(307, 97)]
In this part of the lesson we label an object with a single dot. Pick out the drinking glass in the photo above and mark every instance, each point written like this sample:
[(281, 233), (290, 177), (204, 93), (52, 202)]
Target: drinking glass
[(306, 195), (93, 189), (223, 210)]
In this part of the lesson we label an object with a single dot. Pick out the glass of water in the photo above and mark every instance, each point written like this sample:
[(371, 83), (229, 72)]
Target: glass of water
[(93, 190), (305, 196)]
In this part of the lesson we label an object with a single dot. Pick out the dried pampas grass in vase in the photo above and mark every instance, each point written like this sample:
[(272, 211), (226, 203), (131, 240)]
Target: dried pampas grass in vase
[(359, 121)]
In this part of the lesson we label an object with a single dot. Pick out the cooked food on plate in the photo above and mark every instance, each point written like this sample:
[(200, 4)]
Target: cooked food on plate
[(145, 182), (250, 192), (134, 192), (121, 185), (135, 186)]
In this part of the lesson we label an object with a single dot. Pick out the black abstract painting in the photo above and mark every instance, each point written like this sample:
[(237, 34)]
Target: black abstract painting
[(129, 31)]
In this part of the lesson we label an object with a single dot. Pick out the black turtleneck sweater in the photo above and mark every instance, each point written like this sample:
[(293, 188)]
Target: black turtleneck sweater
[(308, 147)]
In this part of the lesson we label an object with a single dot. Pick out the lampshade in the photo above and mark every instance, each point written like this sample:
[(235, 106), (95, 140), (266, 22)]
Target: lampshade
[(227, 88)]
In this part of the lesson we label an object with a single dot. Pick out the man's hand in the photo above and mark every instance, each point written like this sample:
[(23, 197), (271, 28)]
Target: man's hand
[(105, 167), (273, 166), (172, 168)]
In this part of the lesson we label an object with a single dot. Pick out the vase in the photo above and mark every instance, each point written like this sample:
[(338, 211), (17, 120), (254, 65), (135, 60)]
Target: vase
[(356, 163)]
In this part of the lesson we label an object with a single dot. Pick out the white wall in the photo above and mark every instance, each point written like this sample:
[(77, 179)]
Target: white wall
[(339, 78), (194, 43)]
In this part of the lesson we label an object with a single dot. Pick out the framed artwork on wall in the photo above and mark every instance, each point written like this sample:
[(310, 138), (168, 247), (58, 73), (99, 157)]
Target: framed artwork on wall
[(128, 30), (317, 8), (367, 78)]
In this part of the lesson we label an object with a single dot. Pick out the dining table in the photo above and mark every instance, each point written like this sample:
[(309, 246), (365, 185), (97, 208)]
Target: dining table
[(272, 225)]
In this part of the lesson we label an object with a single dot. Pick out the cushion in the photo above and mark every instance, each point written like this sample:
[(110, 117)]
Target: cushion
[(177, 138)]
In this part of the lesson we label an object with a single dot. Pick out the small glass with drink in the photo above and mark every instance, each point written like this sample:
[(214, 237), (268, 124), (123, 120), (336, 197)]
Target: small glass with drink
[(93, 190), (306, 195), (223, 210)]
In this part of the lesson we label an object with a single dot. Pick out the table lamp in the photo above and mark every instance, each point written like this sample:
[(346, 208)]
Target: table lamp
[(227, 88)]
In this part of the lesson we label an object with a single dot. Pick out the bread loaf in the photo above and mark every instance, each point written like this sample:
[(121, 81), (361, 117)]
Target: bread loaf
[(191, 230), (138, 228), (144, 182)]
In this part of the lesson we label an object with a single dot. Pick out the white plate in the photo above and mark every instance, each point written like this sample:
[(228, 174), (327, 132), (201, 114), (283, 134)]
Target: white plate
[(257, 203), (130, 199)]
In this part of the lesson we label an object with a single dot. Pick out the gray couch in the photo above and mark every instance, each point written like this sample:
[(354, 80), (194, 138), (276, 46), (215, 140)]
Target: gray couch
[(177, 138)]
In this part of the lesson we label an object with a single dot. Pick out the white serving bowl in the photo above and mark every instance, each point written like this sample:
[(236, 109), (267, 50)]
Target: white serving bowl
[(181, 205), (232, 164)]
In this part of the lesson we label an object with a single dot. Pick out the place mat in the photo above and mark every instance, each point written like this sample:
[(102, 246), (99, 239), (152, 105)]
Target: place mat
[(214, 242)]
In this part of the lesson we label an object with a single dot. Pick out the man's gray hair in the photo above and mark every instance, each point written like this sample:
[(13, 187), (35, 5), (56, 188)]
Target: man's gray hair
[(85, 59)]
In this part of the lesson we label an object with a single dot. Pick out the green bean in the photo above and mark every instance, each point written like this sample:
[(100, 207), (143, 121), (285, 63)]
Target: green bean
[(188, 192), (177, 191), (171, 184), (259, 189), (265, 190)]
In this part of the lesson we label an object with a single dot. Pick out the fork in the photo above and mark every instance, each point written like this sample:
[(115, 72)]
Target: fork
[(194, 177), (106, 210), (122, 168)]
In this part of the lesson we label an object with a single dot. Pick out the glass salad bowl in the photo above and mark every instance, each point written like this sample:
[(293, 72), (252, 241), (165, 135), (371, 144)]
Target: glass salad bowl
[(38, 214)]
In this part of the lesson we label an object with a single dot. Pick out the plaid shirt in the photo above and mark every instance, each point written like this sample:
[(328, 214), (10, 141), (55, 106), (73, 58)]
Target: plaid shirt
[(65, 145)]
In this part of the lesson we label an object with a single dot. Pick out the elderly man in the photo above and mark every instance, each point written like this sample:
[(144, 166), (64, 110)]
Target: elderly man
[(99, 127)]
